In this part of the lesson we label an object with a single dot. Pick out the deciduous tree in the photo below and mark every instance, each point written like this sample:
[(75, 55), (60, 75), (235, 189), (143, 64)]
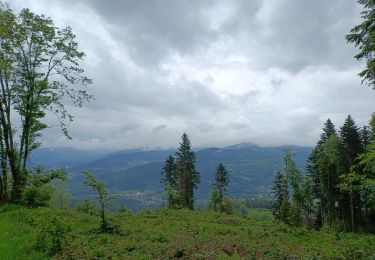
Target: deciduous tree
[(39, 71)]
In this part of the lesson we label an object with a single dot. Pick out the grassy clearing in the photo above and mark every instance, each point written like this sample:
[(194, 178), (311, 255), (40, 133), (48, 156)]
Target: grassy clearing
[(16, 236), (168, 234)]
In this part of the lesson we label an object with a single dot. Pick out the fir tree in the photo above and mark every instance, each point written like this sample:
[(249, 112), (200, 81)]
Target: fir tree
[(366, 137), (308, 193), (341, 168), (169, 172), (170, 180), (351, 142), (221, 183), (351, 149), (188, 176), (280, 206), (329, 163), (314, 171), (328, 130)]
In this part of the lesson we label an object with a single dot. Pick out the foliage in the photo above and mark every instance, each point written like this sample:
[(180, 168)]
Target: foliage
[(173, 197), (39, 71), (220, 184), (87, 206), (52, 235), (362, 36), (169, 233), (342, 171), (169, 174), (281, 198), (189, 177), (61, 197), (170, 179), (228, 206), (180, 176), (37, 196), (123, 209), (259, 203), (103, 198), (215, 200), (289, 185), (37, 192)]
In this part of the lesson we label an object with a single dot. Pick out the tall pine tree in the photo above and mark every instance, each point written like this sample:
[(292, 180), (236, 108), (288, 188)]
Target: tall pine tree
[(280, 207), (188, 176), (351, 142), (351, 149), (169, 175), (221, 184), (170, 180), (366, 137), (314, 170)]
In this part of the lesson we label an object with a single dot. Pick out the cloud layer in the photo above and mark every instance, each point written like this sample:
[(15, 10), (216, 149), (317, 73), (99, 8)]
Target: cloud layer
[(269, 72)]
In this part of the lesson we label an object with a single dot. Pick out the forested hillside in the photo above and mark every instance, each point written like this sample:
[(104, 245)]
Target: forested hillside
[(252, 169)]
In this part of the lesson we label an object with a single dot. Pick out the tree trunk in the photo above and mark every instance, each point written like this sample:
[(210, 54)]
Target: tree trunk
[(102, 213), (352, 213), (11, 154)]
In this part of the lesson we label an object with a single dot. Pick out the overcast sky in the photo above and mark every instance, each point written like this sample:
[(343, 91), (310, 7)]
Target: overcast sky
[(263, 71)]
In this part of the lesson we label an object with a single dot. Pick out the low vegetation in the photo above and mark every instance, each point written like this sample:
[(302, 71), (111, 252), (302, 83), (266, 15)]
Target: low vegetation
[(68, 234)]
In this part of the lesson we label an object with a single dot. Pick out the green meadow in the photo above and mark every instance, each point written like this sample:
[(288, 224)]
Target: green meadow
[(45, 233)]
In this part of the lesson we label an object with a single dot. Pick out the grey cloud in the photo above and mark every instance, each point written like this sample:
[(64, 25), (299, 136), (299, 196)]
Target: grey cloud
[(159, 128), (268, 72), (150, 30), (129, 127), (293, 34)]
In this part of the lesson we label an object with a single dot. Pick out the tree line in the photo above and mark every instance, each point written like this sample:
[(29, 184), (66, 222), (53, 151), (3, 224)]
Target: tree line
[(339, 188)]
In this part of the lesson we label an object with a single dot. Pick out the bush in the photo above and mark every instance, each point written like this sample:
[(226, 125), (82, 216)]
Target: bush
[(87, 206), (228, 206), (123, 209), (37, 191), (52, 235), (37, 196), (215, 200)]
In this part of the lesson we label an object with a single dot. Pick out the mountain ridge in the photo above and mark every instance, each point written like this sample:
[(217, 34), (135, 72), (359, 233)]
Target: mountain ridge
[(251, 169)]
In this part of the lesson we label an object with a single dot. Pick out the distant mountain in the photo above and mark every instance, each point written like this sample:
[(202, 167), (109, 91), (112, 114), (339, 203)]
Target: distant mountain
[(124, 160), (135, 175), (63, 157)]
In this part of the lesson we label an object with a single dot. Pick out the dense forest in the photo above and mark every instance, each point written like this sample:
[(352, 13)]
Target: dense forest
[(326, 211), (338, 189)]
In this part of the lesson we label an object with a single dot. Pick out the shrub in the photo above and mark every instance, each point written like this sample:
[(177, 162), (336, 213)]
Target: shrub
[(87, 206), (123, 209), (37, 196), (52, 235), (37, 191), (228, 206)]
